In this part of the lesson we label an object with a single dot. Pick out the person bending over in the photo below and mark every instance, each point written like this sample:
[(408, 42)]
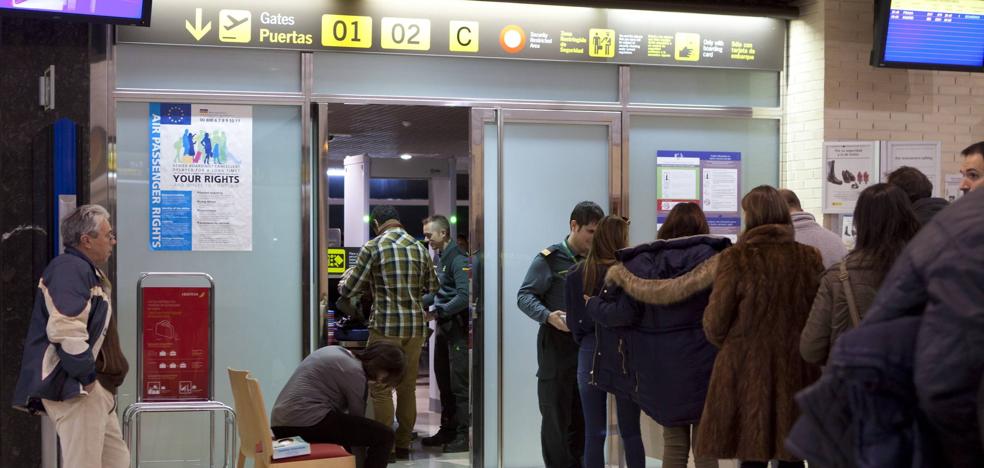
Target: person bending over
[(325, 399)]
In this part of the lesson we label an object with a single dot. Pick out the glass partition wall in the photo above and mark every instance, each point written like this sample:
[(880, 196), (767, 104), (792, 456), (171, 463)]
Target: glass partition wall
[(536, 150)]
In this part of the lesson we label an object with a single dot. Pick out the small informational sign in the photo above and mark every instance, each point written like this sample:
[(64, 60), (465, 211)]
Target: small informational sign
[(921, 155), (849, 234), (340, 259), (471, 29), (201, 177), (952, 187), (848, 168), (711, 179), (176, 344), (336, 261)]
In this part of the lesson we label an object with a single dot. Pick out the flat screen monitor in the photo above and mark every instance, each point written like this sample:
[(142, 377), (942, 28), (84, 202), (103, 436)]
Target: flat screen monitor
[(135, 12), (930, 34)]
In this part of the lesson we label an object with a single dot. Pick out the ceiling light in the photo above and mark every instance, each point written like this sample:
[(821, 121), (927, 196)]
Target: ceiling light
[(406, 156), (335, 172)]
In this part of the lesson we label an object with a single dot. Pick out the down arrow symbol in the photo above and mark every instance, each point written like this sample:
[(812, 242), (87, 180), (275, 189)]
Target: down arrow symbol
[(197, 31)]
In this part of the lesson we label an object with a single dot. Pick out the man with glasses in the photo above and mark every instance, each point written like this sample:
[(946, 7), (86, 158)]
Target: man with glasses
[(73, 362)]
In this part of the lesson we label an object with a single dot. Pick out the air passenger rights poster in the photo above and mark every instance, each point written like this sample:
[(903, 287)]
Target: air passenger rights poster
[(201, 177)]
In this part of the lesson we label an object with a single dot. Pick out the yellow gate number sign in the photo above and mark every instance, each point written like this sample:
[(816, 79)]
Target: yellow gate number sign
[(405, 33), (336, 261), (346, 31)]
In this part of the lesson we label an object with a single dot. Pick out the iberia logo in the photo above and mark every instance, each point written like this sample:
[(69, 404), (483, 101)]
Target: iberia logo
[(512, 39)]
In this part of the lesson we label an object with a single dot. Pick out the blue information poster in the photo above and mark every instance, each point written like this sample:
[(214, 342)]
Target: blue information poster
[(201, 185), (711, 179)]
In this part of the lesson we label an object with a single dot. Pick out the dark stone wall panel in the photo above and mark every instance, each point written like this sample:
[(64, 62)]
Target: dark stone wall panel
[(27, 48)]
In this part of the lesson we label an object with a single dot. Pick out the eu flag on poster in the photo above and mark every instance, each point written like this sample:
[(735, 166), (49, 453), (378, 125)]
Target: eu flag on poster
[(175, 114)]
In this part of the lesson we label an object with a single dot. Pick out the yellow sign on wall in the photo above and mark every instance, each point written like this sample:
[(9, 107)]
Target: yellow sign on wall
[(336, 261), (602, 42), (686, 47), (463, 36), (346, 31), (405, 33)]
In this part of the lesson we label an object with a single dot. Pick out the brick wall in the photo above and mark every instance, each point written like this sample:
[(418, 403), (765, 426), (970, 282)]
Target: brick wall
[(803, 125), (862, 102), (829, 52)]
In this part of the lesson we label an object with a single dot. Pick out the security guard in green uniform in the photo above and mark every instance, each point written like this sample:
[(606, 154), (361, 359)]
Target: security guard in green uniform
[(542, 298), (450, 309)]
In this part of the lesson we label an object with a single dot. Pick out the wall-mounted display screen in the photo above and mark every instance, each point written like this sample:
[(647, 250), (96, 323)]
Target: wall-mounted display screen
[(135, 12), (935, 34)]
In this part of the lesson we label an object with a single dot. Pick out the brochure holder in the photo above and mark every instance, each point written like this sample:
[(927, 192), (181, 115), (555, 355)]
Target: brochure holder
[(175, 337)]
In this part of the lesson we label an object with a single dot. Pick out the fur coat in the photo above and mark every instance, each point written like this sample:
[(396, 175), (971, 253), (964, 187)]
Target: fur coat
[(763, 289)]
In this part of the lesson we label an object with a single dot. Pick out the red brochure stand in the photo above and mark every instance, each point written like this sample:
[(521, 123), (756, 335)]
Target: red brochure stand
[(175, 335)]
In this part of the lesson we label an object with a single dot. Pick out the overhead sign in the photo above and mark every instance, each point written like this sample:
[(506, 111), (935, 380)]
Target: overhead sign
[(471, 29)]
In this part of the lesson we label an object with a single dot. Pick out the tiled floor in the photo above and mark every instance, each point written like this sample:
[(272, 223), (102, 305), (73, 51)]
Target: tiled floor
[(428, 423)]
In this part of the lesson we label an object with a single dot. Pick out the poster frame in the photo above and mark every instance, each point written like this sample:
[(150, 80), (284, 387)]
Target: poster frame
[(872, 167)]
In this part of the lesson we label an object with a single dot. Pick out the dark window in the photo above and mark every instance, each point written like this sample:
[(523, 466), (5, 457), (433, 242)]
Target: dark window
[(462, 186), (399, 189), (336, 187)]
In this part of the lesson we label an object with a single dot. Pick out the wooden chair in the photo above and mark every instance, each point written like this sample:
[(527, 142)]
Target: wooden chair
[(256, 440)]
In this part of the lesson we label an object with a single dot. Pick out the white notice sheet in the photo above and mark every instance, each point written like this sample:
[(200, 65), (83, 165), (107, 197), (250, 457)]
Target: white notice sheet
[(679, 183), (720, 190)]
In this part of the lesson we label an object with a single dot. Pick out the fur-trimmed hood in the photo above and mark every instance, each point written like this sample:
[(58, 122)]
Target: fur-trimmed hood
[(643, 271)]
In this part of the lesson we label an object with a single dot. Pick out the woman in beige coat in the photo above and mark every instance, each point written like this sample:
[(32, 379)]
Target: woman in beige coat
[(885, 223)]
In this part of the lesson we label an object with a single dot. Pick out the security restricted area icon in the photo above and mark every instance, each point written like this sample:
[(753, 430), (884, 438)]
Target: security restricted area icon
[(686, 47), (235, 26), (512, 39), (602, 42)]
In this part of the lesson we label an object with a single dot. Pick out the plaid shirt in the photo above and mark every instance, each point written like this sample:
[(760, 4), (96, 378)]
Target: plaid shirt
[(401, 272)]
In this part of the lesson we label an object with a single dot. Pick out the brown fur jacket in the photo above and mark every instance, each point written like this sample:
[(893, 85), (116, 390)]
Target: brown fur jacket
[(664, 291), (763, 289)]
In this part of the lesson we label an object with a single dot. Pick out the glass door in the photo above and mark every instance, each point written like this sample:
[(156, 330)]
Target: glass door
[(533, 168)]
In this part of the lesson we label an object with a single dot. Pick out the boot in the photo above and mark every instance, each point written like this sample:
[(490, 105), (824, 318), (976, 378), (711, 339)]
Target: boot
[(459, 444), (860, 177), (831, 177), (442, 437), (865, 177)]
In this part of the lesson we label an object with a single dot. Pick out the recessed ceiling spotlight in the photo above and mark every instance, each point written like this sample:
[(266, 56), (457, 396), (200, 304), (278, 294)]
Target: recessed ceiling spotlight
[(406, 156), (406, 123)]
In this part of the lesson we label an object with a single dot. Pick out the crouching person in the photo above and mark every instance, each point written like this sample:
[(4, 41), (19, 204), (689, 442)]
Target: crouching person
[(325, 400)]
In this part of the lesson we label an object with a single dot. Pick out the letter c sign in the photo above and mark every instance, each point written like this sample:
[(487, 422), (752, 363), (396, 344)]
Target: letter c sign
[(464, 36)]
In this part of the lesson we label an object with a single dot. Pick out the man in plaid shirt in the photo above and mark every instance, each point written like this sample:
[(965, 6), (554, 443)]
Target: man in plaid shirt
[(400, 270)]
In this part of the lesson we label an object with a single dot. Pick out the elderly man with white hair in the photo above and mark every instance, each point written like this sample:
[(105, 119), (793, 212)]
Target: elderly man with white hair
[(73, 362)]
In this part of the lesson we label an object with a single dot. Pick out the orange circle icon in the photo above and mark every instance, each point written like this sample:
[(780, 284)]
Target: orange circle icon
[(512, 39)]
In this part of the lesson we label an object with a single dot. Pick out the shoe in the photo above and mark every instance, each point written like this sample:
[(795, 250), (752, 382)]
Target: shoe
[(440, 438), (860, 177), (847, 176), (458, 445), (402, 453), (831, 177), (865, 177)]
